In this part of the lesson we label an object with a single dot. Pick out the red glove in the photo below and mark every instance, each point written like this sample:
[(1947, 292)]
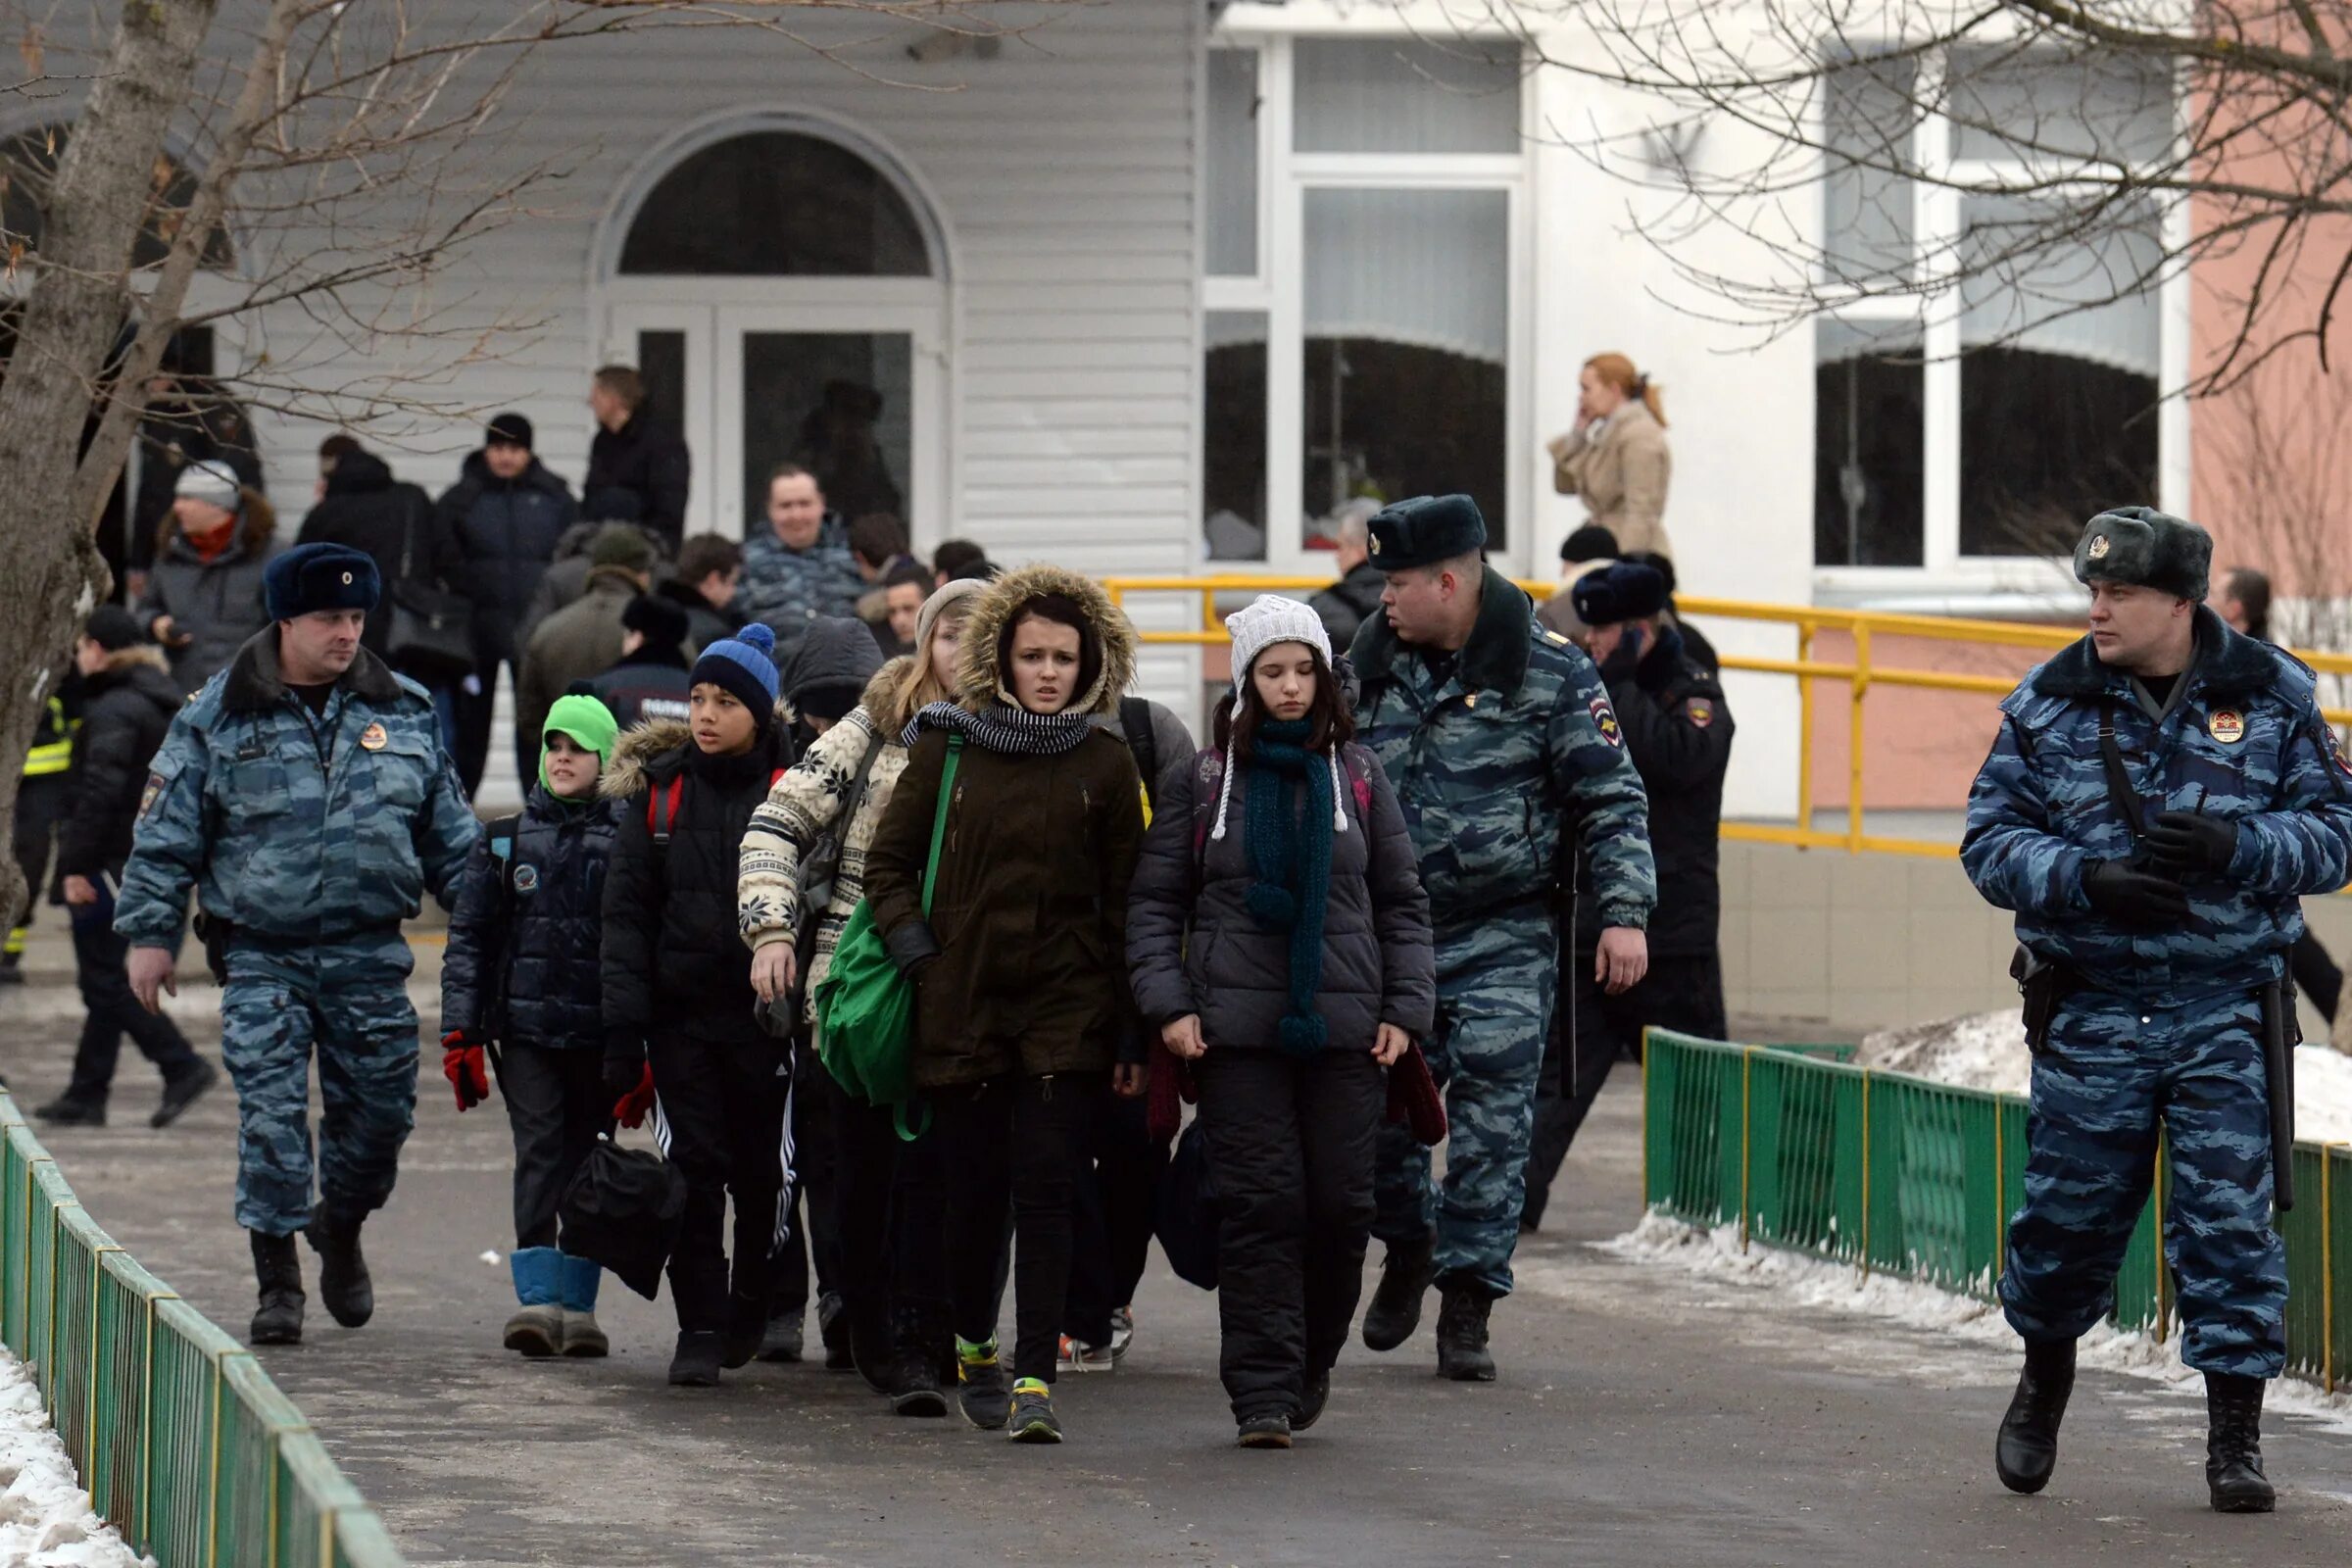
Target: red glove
[(629, 1110), (467, 1068)]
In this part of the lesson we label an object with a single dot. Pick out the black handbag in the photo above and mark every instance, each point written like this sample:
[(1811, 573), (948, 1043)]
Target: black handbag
[(1186, 1218), (431, 632), (622, 1211)]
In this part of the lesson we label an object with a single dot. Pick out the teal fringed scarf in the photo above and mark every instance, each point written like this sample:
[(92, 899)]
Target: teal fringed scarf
[(1290, 863)]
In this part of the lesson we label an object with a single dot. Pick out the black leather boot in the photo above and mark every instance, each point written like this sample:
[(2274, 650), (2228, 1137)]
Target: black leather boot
[(343, 1282), (279, 1270), (695, 1365), (1462, 1353), (1395, 1309), (2233, 1446), (2027, 1449)]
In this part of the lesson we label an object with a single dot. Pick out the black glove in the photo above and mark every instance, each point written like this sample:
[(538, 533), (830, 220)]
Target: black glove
[(2132, 896), (2183, 842)]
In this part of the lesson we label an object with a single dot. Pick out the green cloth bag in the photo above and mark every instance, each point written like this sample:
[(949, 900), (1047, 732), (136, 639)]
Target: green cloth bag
[(865, 1006)]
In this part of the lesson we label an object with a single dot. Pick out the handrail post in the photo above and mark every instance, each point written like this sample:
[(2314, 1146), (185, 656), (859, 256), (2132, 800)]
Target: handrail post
[(2328, 1265), (1804, 731), (1860, 688), (1747, 1058)]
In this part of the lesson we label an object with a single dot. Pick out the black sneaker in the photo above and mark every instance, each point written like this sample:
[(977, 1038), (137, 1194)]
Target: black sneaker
[(783, 1339), (183, 1091), (1313, 1397), (914, 1389), (1033, 1418), (980, 1389), (1265, 1432), (833, 1327), (66, 1111), (695, 1365)]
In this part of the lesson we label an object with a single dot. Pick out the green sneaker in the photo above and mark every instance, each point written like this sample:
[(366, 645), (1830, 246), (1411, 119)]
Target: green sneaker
[(980, 1389), (1033, 1413)]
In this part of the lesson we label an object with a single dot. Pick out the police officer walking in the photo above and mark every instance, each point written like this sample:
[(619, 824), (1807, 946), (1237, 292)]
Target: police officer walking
[(1496, 733), (1678, 730), (304, 794), (2159, 797)]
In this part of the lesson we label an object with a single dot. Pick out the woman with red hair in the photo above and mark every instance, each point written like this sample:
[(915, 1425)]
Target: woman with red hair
[(1616, 460)]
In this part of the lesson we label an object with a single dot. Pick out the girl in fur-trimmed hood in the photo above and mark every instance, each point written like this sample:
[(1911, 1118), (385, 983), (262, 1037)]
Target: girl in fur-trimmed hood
[(1022, 1010)]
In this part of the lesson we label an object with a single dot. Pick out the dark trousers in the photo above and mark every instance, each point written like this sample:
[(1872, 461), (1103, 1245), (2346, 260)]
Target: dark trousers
[(886, 1220), (720, 1119), (1291, 1144), (555, 1105), (40, 805), (810, 1244), (1024, 1140), (1592, 1032), (473, 712), (2315, 974), (1110, 1223), (99, 957)]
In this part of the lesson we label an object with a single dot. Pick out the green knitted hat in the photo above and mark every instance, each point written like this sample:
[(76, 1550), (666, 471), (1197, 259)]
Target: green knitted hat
[(589, 722)]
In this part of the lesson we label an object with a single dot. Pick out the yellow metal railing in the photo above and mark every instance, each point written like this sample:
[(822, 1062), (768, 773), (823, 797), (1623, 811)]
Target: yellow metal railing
[(1860, 672)]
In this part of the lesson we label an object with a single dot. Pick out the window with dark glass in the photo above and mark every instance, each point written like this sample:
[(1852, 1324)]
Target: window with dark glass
[(29, 159), (1233, 453), (796, 206), (1870, 453)]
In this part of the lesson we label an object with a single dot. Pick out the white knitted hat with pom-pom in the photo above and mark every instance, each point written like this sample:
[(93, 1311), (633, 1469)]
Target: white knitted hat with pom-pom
[(1257, 626)]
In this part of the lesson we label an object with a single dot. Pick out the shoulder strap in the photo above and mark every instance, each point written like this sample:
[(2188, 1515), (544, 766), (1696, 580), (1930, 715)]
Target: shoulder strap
[(1135, 718), (1359, 779), (2120, 793), (662, 810), (939, 816), (1208, 777)]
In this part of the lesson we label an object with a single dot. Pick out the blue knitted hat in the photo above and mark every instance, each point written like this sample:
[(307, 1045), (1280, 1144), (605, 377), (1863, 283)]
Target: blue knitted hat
[(743, 664)]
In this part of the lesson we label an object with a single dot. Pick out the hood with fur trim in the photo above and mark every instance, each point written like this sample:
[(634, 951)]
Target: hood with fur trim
[(976, 682), (639, 756), (876, 698)]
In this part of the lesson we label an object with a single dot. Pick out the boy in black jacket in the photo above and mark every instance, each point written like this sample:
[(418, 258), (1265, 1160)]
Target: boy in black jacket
[(128, 703), (522, 969), (677, 989)]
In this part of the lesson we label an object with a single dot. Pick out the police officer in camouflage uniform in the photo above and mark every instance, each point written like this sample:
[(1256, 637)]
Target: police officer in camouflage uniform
[(1498, 735), (304, 794), (2160, 796)]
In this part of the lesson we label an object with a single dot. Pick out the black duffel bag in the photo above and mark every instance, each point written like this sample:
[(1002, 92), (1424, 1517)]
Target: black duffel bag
[(622, 1211), (429, 631), (1186, 1216)]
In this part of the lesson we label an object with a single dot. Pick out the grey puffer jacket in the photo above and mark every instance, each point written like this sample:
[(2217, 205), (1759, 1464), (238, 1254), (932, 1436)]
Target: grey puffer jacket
[(1194, 948), (216, 605)]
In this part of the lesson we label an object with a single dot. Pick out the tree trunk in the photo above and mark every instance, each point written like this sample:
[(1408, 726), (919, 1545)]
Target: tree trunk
[(51, 574)]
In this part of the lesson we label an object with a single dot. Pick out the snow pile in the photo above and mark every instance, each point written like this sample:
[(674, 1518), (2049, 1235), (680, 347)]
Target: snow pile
[(1824, 1283), (45, 1517), (1988, 1051)]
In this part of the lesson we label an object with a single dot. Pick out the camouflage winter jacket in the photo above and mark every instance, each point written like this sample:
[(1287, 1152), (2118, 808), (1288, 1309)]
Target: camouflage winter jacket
[(787, 589), (1491, 762), (294, 829), (2245, 742)]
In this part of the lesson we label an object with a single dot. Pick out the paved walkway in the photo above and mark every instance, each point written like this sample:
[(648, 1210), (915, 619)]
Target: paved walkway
[(1643, 1417)]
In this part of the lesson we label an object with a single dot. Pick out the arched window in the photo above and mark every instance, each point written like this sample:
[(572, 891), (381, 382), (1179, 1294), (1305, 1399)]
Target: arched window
[(28, 164), (775, 204)]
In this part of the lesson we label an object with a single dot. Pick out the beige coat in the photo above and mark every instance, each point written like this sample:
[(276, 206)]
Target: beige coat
[(1621, 475)]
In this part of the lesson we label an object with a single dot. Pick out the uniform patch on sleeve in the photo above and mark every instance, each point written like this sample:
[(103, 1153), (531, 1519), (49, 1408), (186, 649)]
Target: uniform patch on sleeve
[(1700, 712), (151, 794), (1605, 719)]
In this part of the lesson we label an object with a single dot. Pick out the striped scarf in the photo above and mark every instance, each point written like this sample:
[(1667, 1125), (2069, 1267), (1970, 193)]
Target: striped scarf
[(1011, 731)]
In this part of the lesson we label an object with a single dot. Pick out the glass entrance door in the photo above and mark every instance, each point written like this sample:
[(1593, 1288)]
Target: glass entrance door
[(839, 404)]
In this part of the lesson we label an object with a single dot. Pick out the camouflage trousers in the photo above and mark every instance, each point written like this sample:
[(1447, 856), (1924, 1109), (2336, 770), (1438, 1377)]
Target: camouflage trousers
[(2113, 1074), (1495, 985), (349, 1001)]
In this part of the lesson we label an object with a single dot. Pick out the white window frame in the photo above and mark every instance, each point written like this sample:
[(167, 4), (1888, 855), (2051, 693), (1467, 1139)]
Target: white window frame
[(1936, 228), (1279, 292)]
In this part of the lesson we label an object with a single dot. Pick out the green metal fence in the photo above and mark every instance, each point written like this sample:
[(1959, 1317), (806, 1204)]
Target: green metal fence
[(184, 1442), (1918, 1179)]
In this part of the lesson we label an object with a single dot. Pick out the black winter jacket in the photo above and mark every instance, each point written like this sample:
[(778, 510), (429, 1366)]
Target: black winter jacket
[(525, 958), (506, 532), (705, 623), (366, 509), (1197, 949), (674, 959), (647, 686), (125, 710), (1679, 733), (648, 463), (1348, 602)]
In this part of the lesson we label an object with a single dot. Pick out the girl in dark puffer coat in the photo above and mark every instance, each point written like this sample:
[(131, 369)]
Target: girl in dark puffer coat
[(521, 970), (1284, 952)]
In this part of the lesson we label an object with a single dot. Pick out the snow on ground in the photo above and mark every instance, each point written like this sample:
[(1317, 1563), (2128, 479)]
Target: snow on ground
[(1988, 1051), (45, 1517), (1807, 1281)]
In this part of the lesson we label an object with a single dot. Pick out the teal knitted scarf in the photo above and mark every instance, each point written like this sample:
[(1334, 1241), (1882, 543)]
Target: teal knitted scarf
[(1290, 863)]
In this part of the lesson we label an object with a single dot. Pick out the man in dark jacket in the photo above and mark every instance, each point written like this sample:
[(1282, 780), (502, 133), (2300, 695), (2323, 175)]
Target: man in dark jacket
[(130, 698), (396, 523), (580, 641), (648, 682), (507, 512), (709, 567), (634, 455), (1678, 731), (1355, 598)]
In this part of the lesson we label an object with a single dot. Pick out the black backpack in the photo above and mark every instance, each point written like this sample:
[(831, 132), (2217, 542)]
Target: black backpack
[(1134, 721), (622, 1211)]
